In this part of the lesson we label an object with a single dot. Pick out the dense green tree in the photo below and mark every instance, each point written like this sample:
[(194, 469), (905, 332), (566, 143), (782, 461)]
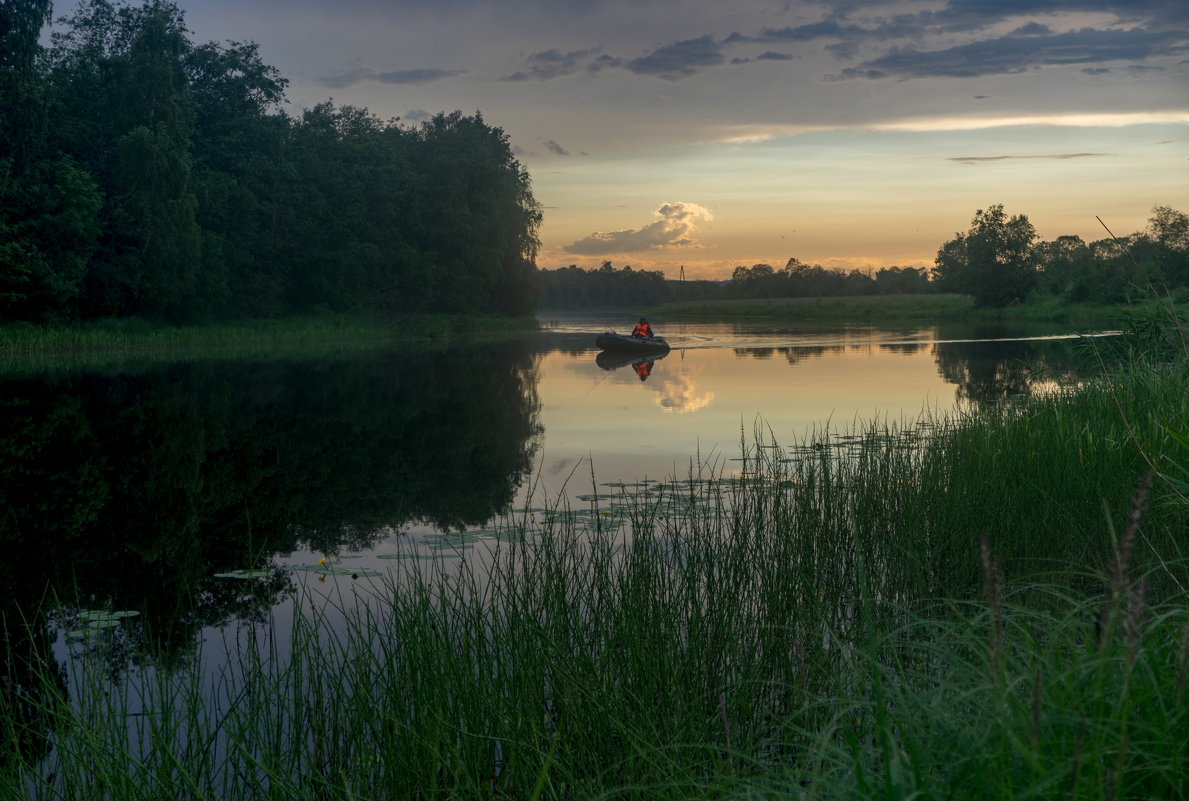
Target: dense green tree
[(120, 103), (238, 170), (48, 204), (471, 181), (46, 244), (901, 280), (22, 120), (1167, 241), (154, 204), (993, 261), (141, 174)]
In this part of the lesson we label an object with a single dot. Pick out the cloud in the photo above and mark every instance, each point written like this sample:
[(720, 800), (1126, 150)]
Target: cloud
[(554, 147), (768, 56), (1017, 53), (679, 60), (1033, 29), (409, 77), (970, 14), (675, 227), (980, 159), (604, 62), (552, 63)]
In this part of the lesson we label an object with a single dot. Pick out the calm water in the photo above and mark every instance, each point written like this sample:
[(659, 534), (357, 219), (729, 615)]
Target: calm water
[(133, 490)]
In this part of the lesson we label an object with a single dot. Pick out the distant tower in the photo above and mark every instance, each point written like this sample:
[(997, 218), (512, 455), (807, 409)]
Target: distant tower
[(683, 272)]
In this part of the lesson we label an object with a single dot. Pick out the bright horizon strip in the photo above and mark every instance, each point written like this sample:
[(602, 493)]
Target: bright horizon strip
[(940, 124)]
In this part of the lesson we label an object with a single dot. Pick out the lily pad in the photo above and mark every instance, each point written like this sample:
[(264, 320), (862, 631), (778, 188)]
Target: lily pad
[(327, 570), (325, 567), (99, 614), (243, 574), (93, 621), (450, 546)]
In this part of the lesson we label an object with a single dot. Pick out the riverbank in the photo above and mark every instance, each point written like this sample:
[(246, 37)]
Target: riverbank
[(23, 344), (979, 606), (883, 308)]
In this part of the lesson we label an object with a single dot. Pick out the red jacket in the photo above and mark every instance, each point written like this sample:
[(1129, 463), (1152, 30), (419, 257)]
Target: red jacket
[(642, 330)]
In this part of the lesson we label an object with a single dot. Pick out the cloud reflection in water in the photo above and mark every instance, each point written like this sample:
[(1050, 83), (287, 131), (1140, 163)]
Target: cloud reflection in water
[(677, 393)]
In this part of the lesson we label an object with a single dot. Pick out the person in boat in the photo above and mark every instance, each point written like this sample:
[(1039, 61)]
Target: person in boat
[(643, 369), (643, 329)]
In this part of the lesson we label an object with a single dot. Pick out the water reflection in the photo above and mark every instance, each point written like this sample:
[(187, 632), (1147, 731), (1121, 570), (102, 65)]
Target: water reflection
[(678, 393), (986, 362), (988, 372), (641, 365), (131, 491)]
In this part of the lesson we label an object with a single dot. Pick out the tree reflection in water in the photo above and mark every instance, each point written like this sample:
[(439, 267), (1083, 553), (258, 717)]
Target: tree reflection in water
[(992, 372), (131, 490)]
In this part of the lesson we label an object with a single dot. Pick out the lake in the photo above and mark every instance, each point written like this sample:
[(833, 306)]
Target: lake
[(150, 489)]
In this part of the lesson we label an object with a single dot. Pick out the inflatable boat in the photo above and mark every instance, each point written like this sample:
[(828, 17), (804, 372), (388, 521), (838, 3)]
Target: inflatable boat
[(622, 343)]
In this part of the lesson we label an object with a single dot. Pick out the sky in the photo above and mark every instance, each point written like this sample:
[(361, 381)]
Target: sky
[(694, 136)]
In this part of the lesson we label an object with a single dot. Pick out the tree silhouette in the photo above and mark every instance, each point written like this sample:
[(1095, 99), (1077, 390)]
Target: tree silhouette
[(993, 261)]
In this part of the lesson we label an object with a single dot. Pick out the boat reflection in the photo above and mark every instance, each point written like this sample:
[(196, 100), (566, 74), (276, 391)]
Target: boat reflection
[(641, 363)]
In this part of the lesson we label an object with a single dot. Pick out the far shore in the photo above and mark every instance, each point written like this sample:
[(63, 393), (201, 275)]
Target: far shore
[(882, 308), (25, 345)]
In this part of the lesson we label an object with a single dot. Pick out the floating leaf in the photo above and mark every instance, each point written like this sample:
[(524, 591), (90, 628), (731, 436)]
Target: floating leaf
[(243, 574), (451, 546), (98, 618), (103, 623)]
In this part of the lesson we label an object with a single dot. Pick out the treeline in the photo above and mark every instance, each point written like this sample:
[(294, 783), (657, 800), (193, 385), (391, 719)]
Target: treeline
[(575, 288), (797, 279), (998, 261), (142, 174)]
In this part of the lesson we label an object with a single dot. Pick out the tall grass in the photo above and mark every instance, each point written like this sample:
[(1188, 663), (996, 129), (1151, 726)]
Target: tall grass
[(988, 606), (27, 346)]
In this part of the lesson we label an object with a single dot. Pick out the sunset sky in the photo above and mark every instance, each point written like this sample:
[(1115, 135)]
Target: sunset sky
[(711, 134)]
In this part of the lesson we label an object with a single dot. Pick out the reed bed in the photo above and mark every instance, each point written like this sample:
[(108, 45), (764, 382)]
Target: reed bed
[(25, 346), (988, 606)]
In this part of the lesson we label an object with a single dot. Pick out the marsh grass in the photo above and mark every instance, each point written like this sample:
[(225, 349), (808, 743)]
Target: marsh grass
[(982, 606), (27, 346)]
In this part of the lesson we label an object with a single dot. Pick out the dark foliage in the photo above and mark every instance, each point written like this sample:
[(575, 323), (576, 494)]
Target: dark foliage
[(575, 288), (144, 175)]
